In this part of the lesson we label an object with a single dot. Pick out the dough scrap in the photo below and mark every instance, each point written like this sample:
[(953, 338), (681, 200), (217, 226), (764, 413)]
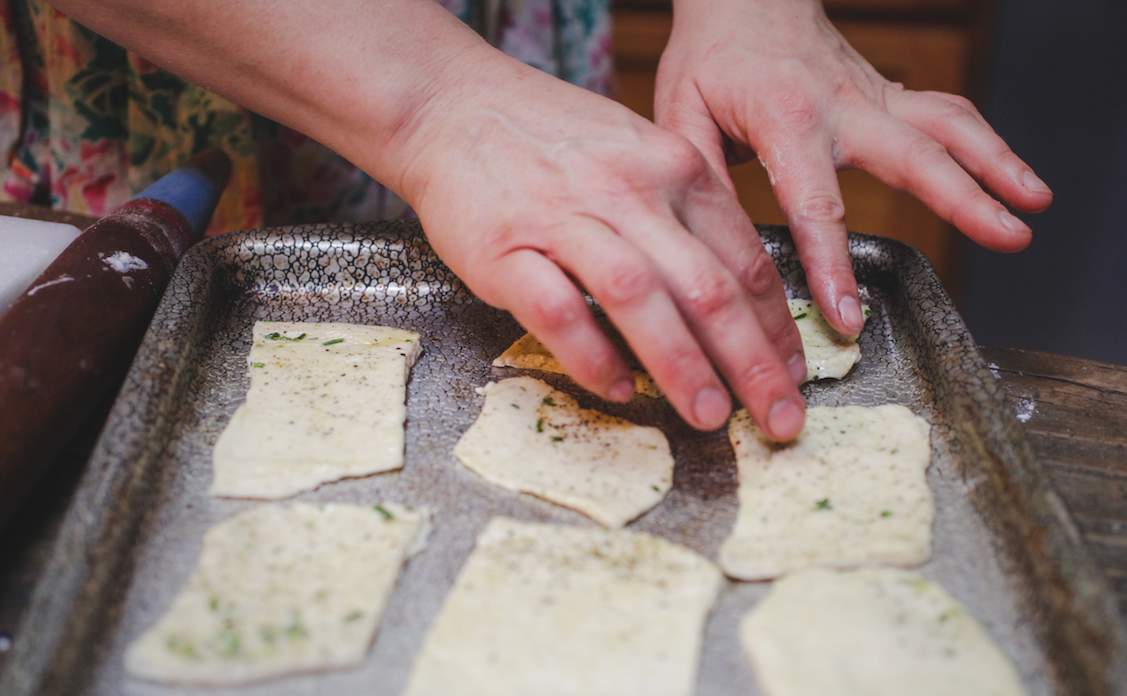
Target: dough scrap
[(528, 353), (535, 439), (278, 590), (851, 490), (552, 610), (871, 632), (828, 354), (322, 407)]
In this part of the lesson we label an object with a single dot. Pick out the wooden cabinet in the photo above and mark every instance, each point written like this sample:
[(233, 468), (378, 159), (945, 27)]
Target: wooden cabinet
[(925, 44)]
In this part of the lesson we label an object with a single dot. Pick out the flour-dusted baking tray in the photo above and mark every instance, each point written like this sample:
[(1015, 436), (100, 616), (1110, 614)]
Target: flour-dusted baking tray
[(1004, 544)]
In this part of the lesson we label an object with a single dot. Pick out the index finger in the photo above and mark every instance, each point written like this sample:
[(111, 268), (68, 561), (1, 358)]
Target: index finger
[(635, 298), (716, 218), (803, 174)]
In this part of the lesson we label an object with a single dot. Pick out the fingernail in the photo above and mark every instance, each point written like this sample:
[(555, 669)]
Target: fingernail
[(1011, 223), (1030, 181), (711, 407), (622, 391), (797, 367), (849, 309), (784, 419)]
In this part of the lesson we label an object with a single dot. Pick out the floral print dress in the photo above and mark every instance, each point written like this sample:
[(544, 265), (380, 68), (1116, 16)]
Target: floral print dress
[(84, 124)]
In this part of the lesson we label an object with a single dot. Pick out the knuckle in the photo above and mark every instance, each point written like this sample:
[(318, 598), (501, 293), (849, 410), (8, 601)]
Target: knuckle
[(597, 364), (760, 275), (627, 282), (683, 159), (500, 239), (554, 311), (822, 207), (710, 294), (948, 116), (966, 206), (795, 110), (922, 151), (784, 338), (961, 101), (1002, 151), (757, 376), (683, 361), (783, 333), (945, 110)]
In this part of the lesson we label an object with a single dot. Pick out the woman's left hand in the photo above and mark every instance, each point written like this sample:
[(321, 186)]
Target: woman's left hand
[(775, 78)]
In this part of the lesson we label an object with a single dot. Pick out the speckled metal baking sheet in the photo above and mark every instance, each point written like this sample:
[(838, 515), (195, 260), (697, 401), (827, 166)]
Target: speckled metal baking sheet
[(1004, 544)]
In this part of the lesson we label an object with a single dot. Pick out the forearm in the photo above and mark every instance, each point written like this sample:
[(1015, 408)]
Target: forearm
[(353, 74)]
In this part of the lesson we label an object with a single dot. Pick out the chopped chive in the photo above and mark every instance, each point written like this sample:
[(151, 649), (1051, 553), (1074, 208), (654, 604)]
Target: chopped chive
[(800, 316), (548, 401), (557, 438), (539, 425), (268, 634), (213, 603), (228, 643), (181, 647), (276, 336), (823, 504), (258, 364), (886, 513), (867, 312), (516, 406), (332, 341), (387, 515), (656, 488), (353, 616)]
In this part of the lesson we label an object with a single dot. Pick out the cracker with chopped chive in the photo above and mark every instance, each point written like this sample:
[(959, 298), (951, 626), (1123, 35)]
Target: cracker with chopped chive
[(850, 490), (278, 590), (534, 439)]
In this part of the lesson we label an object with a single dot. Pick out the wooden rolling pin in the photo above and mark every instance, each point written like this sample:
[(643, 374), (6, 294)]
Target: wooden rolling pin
[(68, 340)]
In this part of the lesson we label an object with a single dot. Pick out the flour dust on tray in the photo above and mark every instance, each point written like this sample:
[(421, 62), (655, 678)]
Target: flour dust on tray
[(535, 439), (326, 402), (278, 590), (552, 610), (850, 490), (871, 632)]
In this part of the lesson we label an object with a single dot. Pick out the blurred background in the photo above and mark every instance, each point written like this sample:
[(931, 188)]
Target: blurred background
[(1050, 77)]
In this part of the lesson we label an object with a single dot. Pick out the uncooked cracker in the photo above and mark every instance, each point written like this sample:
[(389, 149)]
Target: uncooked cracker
[(277, 590), (871, 632), (851, 490), (535, 439), (326, 402), (528, 353), (553, 610), (828, 354)]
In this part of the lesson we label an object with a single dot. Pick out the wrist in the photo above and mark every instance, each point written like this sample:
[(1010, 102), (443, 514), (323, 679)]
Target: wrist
[(455, 112), (380, 109), (759, 13)]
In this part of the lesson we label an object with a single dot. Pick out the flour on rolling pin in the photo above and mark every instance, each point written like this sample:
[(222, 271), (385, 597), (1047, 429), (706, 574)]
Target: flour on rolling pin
[(123, 262)]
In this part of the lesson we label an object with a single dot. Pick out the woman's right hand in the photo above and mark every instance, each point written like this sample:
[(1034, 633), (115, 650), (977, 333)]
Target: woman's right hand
[(530, 188)]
